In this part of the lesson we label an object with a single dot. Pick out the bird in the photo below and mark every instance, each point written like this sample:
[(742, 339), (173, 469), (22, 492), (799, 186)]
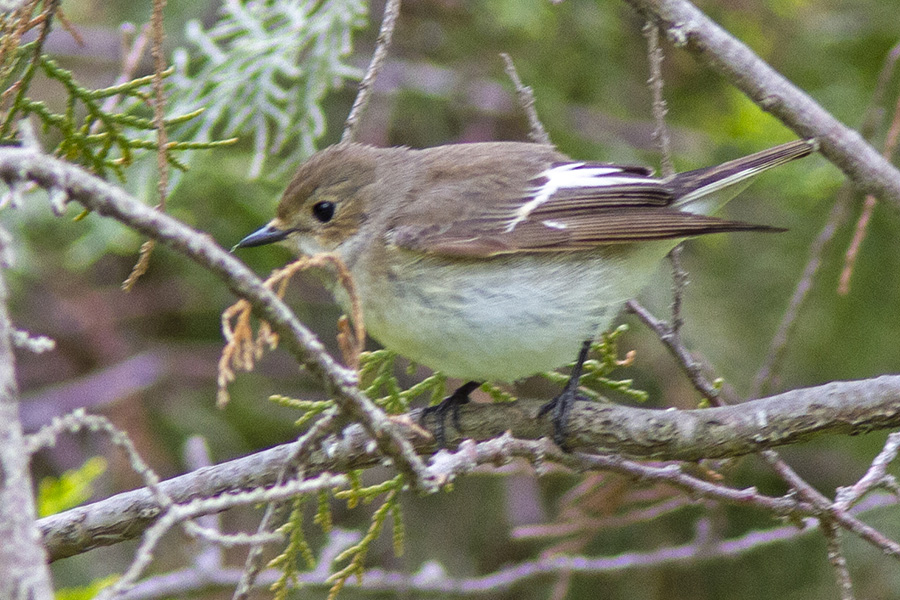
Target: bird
[(493, 261)]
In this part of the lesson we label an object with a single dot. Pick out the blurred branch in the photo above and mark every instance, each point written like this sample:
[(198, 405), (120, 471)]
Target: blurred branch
[(843, 407), (431, 578), (836, 218), (862, 224), (23, 562), (689, 28)]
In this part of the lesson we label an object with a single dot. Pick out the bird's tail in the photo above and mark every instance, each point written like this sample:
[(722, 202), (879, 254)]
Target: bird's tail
[(704, 191)]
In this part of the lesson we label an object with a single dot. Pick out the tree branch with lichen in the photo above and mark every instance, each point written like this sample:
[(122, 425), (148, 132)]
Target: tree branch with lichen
[(848, 408)]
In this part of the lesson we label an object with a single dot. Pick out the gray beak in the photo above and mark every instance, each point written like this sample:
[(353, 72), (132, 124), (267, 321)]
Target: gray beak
[(266, 234)]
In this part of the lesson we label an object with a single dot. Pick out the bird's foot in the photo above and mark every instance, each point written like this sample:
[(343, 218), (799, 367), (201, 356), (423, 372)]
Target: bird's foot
[(559, 409), (449, 405)]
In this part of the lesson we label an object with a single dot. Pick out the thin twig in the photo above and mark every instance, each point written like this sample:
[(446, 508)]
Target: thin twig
[(679, 283), (655, 81), (211, 555), (840, 210), (536, 133), (670, 333), (253, 564), (837, 559), (433, 581), (832, 510), (876, 476), (181, 513), (383, 43), (162, 142), (862, 225), (691, 367)]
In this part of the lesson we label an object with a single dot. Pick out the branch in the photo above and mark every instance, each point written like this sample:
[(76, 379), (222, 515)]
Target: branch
[(60, 177), (537, 133), (688, 27), (432, 579), (23, 561), (843, 407), (383, 43)]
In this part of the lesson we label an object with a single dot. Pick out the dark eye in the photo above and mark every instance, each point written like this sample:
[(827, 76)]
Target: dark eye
[(323, 211)]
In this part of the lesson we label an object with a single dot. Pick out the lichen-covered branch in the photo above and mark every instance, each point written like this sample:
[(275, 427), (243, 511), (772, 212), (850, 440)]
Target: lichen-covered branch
[(841, 407), (23, 561)]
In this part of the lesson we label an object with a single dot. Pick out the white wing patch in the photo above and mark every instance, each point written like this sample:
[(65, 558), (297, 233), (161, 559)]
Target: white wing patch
[(554, 224), (569, 175)]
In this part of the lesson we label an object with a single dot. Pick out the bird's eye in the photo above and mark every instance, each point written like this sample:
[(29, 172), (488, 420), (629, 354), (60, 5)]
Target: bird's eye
[(323, 211)]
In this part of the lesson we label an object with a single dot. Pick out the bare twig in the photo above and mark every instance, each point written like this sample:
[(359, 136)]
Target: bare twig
[(679, 282), (876, 476), (661, 133), (23, 561), (670, 333), (838, 216), (183, 512), (383, 43), (862, 225), (841, 517), (536, 133), (432, 579), (210, 555), (162, 142), (300, 451), (837, 559), (692, 368)]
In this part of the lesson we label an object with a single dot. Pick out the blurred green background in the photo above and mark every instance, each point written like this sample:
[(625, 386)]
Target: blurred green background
[(147, 359)]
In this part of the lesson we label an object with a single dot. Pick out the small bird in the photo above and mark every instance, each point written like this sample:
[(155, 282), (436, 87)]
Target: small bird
[(495, 261)]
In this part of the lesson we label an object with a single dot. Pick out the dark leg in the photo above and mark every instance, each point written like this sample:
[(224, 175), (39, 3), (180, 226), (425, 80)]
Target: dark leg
[(451, 405), (562, 404)]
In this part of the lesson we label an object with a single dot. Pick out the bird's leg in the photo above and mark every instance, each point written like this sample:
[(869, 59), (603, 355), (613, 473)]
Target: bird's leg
[(561, 406), (451, 405)]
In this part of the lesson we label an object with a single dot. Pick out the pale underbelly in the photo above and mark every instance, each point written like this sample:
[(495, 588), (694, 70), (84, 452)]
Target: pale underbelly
[(502, 320)]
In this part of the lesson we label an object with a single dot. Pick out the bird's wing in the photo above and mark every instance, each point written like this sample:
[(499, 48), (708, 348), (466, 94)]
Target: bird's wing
[(544, 205)]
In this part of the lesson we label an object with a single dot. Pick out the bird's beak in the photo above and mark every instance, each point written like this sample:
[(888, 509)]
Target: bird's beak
[(267, 234)]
